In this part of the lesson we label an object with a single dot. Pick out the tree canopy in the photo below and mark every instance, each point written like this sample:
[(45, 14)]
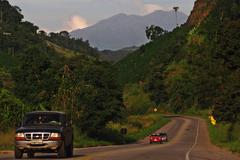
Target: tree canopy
[(153, 32)]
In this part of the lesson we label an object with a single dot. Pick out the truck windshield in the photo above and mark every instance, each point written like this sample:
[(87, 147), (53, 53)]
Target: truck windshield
[(42, 119)]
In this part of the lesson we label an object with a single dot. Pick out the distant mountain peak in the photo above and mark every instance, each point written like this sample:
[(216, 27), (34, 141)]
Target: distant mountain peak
[(122, 30), (120, 15), (158, 11)]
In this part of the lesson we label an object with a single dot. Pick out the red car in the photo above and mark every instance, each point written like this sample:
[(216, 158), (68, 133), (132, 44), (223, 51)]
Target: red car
[(155, 138)]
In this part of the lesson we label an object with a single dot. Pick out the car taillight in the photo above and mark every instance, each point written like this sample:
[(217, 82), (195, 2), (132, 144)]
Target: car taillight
[(55, 136), (19, 137)]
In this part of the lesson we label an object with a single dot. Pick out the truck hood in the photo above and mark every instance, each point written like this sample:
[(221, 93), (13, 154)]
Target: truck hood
[(40, 128)]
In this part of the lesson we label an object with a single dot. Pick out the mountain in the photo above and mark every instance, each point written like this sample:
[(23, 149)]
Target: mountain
[(115, 56), (121, 31)]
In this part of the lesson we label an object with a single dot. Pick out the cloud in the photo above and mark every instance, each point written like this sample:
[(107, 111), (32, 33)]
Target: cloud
[(76, 22), (149, 8)]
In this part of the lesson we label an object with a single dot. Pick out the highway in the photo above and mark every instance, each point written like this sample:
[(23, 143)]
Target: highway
[(188, 140)]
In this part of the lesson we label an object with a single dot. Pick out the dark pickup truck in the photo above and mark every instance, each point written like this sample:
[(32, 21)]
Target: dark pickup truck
[(44, 132)]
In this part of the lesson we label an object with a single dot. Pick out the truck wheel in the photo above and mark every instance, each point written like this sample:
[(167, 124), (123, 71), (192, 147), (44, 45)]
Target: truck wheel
[(18, 153), (30, 155), (61, 151), (70, 150)]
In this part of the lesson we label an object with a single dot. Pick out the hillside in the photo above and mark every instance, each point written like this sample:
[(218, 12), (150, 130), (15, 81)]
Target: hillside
[(189, 66), (201, 10), (195, 68), (115, 56), (53, 72), (165, 48), (121, 31)]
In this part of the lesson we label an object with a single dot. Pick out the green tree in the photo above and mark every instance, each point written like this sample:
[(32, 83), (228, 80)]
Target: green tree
[(11, 110), (89, 93), (11, 15), (153, 32), (35, 77)]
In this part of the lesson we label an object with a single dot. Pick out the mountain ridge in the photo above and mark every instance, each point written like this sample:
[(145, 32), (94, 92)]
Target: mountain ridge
[(130, 29)]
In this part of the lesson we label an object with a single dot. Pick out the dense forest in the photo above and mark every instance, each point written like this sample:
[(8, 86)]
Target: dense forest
[(196, 65), (36, 75)]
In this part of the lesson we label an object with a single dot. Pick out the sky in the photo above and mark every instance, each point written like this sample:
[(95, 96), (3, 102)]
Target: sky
[(58, 15)]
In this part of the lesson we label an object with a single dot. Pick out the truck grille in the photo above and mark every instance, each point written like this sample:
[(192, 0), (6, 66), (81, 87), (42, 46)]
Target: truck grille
[(37, 136)]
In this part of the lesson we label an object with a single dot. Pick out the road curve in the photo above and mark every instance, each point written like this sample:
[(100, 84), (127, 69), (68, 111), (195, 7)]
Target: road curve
[(188, 140)]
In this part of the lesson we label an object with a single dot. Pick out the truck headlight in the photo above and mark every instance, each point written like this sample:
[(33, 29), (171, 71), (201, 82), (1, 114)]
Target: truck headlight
[(19, 137), (55, 136)]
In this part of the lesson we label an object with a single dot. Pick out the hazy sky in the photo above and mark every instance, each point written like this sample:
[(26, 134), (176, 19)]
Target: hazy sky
[(56, 15)]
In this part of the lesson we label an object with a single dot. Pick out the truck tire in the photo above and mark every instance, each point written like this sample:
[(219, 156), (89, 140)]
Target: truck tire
[(18, 153), (61, 151)]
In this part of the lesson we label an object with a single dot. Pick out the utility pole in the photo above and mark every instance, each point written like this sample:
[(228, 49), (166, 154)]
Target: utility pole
[(176, 13)]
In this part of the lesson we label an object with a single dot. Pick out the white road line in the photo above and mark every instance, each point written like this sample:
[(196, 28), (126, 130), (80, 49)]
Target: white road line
[(195, 143)]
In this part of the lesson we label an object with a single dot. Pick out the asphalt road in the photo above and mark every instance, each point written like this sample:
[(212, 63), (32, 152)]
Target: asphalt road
[(188, 140)]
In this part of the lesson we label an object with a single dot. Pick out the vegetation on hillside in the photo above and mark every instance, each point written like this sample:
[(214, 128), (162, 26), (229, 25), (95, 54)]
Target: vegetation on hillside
[(36, 76), (115, 56), (153, 32), (137, 102), (64, 39), (196, 65)]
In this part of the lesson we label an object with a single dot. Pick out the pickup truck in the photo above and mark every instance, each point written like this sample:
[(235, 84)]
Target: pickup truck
[(44, 132)]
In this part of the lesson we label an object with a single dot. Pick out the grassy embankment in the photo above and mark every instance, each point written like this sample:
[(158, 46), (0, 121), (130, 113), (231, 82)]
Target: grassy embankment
[(7, 140), (219, 134), (138, 128)]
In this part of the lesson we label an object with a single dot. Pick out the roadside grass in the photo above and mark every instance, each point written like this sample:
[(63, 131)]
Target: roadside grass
[(7, 140), (219, 134), (140, 127), (157, 122), (82, 140)]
